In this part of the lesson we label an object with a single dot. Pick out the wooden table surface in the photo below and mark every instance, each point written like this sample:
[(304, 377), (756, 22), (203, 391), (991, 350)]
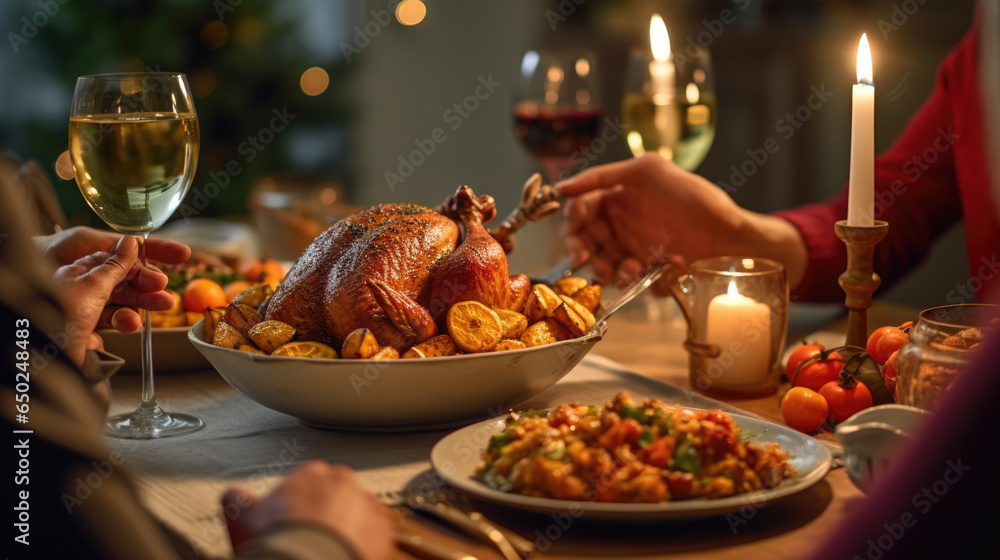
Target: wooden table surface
[(787, 529)]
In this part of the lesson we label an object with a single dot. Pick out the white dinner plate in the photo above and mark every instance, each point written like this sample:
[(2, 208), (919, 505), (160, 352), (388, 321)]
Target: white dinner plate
[(458, 454)]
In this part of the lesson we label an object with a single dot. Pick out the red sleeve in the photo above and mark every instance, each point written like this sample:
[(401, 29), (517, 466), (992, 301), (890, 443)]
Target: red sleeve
[(916, 190)]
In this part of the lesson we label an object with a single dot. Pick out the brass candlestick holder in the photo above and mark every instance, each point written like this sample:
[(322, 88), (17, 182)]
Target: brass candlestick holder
[(859, 281)]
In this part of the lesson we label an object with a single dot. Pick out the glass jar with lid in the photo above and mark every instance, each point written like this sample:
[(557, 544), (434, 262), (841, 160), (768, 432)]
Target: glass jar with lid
[(941, 344)]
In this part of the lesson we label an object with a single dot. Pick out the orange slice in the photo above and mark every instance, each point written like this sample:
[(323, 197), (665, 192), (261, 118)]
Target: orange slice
[(473, 326), (305, 349)]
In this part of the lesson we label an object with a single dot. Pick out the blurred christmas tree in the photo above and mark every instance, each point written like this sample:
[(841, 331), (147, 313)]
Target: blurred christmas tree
[(246, 64)]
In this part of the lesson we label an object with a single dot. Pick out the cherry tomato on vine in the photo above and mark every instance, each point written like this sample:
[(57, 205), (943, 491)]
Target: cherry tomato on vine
[(891, 342), (886, 340), (813, 373), (844, 401), (804, 409), (800, 354)]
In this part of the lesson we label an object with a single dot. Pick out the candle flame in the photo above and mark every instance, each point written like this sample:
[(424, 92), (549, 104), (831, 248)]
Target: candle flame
[(732, 288), (659, 41), (865, 62)]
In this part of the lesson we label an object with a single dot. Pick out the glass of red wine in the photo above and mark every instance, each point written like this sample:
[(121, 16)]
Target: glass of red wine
[(557, 110)]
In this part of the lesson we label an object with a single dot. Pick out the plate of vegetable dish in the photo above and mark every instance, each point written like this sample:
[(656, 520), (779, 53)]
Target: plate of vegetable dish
[(629, 460)]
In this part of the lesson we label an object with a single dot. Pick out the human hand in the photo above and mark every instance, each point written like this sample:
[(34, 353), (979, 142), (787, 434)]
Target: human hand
[(89, 283), (143, 286), (625, 215), (318, 493)]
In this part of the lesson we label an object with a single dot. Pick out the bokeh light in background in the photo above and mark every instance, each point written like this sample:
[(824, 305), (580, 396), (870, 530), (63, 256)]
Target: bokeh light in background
[(247, 31), (314, 81), (411, 12), (214, 34), (203, 82), (328, 196), (64, 166)]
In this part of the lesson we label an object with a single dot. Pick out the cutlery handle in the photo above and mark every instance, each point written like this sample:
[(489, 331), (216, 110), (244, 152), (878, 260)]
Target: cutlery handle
[(421, 548), (523, 546), (459, 520), (478, 529)]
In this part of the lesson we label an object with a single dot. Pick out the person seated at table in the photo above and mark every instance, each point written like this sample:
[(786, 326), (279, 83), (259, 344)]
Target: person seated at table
[(624, 215), (72, 500)]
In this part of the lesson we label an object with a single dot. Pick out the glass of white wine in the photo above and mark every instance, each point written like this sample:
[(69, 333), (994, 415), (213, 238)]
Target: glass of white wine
[(133, 140), (669, 101)]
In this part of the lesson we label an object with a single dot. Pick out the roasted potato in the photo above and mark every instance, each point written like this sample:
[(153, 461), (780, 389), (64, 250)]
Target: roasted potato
[(569, 285), (413, 353), (305, 349), (213, 315), (513, 322), (570, 319), (440, 345), (589, 297), (251, 349), (242, 317), (226, 336), (178, 307), (541, 302), (166, 320), (269, 335), (386, 353), (192, 317), (255, 295), (473, 326), (509, 344), (360, 345), (583, 312), (544, 332)]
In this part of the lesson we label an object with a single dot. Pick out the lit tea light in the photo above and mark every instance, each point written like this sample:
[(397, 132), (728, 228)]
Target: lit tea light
[(741, 327)]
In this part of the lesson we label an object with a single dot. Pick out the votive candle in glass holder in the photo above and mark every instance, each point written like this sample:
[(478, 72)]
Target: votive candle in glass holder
[(739, 305)]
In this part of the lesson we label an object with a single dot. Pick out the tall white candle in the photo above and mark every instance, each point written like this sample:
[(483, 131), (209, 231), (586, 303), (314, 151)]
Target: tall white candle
[(663, 88), (661, 68), (860, 197), (741, 327)]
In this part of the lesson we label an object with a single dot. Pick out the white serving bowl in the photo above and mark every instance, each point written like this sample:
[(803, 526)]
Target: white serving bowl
[(872, 440), (396, 395)]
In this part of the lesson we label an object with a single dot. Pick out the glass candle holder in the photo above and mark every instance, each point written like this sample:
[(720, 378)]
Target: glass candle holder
[(739, 306)]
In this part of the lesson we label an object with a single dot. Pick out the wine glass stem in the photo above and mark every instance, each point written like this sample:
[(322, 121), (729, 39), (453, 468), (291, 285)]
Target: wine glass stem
[(146, 344)]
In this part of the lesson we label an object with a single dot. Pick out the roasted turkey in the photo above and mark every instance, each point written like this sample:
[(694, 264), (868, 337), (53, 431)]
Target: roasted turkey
[(396, 269)]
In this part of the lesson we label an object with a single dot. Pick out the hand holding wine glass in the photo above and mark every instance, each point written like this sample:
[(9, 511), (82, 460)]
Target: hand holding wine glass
[(134, 142)]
